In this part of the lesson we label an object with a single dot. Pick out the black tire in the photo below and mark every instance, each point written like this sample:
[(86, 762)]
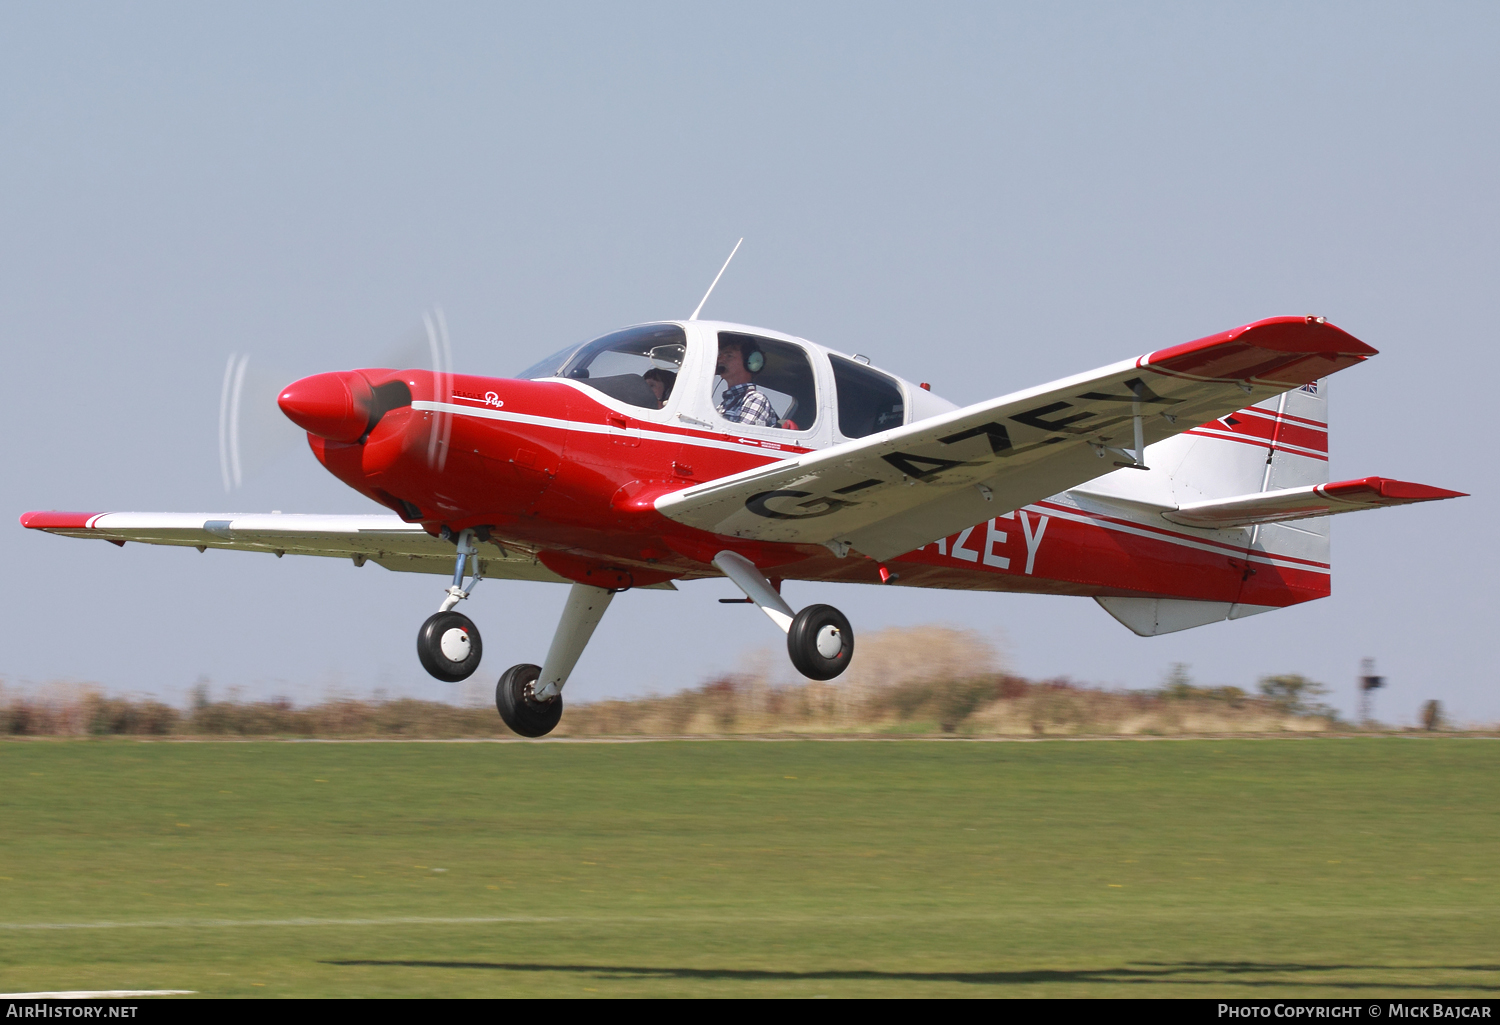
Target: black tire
[(802, 642), (430, 646), (522, 712)]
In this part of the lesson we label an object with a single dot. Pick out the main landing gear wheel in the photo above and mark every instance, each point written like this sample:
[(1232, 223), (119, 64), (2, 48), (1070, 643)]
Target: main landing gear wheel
[(448, 645), (820, 642), (516, 701)]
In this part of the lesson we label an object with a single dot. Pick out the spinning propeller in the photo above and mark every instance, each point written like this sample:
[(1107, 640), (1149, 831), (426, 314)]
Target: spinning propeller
[(254, 432)]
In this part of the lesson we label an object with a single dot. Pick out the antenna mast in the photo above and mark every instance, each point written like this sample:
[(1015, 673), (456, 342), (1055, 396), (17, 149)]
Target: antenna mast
[(716, 280)]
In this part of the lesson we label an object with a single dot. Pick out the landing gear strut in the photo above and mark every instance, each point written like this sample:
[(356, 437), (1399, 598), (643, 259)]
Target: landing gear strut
[(528, 698), (448, 644), (818, 639)]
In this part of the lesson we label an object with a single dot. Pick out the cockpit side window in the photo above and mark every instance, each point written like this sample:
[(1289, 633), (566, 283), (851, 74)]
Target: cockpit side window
[(869, 401), (781, 392), (638, 365)]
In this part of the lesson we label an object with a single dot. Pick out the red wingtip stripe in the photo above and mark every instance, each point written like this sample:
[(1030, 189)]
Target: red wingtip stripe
[(53, 520), (1282, 350), (1384, 487)]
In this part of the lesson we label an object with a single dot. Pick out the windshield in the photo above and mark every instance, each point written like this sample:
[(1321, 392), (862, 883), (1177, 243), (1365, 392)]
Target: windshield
[(638, 365), (549, 366)]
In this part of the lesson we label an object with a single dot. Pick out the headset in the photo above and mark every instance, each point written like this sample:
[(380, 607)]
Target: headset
[(755, 360), (750, 355)]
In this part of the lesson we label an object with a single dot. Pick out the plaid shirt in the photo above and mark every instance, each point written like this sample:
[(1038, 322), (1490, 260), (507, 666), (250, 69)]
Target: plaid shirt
[(744, 405)]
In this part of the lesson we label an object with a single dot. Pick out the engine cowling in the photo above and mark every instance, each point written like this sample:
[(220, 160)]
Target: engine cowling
[(336, 406)]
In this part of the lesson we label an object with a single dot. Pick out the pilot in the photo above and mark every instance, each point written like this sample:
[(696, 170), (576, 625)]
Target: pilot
[(661, 382), (743, 403)]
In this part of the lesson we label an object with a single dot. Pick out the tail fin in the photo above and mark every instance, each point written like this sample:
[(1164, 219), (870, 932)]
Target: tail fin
[(1279, 443), (1276, 444)]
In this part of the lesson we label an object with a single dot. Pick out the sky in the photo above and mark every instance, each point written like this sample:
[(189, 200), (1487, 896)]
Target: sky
[(984, 196)]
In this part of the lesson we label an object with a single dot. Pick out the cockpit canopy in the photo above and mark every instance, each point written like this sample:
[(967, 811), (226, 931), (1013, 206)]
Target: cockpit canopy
[(640, 366)]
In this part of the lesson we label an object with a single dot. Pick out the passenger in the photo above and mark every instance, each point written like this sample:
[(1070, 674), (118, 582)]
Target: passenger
[(743, 403), (661, 382)]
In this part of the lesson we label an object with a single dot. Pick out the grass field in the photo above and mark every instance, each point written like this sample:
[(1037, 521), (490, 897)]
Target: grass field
[(1259, 868)]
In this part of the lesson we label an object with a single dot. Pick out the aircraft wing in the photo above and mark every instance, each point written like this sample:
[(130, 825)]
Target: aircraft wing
[(386, 540), (1300, 503), (895, 491)]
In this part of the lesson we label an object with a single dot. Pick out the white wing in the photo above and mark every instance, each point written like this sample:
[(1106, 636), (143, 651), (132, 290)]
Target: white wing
[(895, 491), (387, 540)]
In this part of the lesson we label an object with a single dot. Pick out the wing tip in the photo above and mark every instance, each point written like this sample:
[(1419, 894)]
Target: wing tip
[(1287, 351), (1388, 488), (52, 519), (1301, 335)]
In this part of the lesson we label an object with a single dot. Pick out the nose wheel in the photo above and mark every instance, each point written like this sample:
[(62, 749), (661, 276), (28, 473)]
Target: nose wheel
[(448, 643), (516, 700), (820, 642), (448, 646)]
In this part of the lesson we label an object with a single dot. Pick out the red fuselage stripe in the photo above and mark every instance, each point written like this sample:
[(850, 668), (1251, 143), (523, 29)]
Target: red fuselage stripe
[(1111, 522)]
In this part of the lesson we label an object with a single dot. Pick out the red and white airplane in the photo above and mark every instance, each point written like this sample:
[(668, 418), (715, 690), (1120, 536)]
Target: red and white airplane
[(1178, 488)]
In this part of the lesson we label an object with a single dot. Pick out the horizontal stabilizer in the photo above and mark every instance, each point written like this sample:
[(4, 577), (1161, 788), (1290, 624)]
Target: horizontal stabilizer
[(1299, 503)]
